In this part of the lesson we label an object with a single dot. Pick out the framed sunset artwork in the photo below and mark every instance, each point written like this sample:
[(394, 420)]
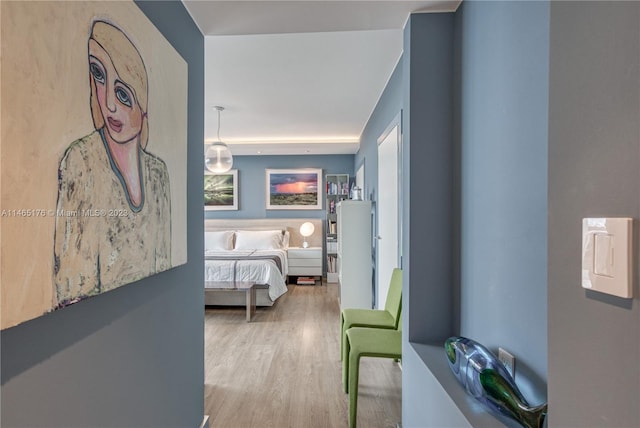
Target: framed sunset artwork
[(293, 189)]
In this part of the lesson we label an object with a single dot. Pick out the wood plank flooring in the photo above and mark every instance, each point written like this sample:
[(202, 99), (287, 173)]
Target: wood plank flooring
[(284, 370)]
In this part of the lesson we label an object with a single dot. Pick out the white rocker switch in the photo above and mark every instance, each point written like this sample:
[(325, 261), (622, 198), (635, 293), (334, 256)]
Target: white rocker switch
[(606, 255), (603, 257)]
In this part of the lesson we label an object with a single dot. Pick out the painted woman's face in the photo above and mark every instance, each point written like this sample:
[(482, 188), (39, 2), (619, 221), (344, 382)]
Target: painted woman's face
[(118, 105)]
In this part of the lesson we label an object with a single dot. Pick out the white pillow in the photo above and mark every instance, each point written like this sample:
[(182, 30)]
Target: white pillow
[(285, 239), (218, 240), (258, 239)]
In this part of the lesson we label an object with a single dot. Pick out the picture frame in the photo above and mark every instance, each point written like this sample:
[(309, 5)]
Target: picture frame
[(294, 189), (221, 191)]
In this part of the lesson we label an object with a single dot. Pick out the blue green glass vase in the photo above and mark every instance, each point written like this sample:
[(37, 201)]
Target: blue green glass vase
[(485, 378)]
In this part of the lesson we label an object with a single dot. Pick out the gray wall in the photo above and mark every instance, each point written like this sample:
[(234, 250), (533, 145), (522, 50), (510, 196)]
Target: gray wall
[(386, 112), (133, 356), (427, 177), (594, 158), (502, 143), (427, 181), (251, 179), (387, 109), (494, 290)]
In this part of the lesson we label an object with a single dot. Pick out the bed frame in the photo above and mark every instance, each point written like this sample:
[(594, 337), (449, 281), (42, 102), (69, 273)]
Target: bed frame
[(225, 298)]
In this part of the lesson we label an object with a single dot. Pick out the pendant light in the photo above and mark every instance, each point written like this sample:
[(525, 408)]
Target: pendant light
[(218, 157)]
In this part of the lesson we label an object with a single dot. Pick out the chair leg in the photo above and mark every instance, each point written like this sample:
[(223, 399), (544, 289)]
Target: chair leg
[(345, 365), (342, 334), (344, 352), (354, 370)]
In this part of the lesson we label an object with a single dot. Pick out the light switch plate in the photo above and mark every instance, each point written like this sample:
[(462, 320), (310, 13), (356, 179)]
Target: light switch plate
[(606, 255)]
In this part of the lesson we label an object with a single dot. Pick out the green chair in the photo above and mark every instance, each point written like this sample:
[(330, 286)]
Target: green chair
[(368, 342), (375, 318)]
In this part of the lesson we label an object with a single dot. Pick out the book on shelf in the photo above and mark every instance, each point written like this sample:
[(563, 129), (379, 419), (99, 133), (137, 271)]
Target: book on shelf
[(306, 280), (331, 264), (340, 188)]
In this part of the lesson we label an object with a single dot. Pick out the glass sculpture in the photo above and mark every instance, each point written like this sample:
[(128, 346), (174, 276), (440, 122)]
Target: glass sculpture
[(485, 378)]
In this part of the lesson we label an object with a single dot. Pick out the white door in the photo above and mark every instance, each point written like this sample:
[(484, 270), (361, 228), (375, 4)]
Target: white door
[(387, 205)]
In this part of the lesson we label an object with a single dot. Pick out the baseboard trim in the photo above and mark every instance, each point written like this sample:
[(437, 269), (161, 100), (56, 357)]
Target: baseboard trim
[(205, 422)]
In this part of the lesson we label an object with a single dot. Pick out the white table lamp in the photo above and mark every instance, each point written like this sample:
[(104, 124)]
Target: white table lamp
[(306, 230)]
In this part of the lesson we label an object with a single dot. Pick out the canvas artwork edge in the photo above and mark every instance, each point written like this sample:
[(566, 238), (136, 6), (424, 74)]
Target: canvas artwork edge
[(27, 288)]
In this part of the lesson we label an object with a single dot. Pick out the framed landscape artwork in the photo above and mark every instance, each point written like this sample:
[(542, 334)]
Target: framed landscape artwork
[(293, 189), (221, 191)]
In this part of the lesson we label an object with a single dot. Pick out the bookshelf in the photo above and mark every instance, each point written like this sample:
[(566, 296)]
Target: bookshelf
[(337, 190)]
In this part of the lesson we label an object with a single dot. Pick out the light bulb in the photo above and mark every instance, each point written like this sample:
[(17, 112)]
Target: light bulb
[(218, 158)]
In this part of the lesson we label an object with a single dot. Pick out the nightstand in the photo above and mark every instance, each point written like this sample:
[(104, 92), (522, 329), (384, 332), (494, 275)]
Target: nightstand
[(305, 261)]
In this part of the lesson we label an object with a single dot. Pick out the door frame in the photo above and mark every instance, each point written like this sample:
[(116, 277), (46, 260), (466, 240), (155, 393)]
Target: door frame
[(395, 123)]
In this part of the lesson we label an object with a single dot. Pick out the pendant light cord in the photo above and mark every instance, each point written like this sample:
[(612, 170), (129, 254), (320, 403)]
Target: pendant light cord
[(219, 109)]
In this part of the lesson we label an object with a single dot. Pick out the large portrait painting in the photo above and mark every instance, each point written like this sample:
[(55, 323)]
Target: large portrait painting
[(94, 149), (293, 189)]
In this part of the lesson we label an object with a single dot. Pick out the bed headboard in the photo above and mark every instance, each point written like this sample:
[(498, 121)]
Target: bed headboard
[(290, 224)]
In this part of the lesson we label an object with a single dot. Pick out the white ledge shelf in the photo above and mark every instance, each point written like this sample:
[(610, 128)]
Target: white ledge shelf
[(434, 358)]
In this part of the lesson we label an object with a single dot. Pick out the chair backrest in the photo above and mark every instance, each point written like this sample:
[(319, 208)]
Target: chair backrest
[(394, 296)]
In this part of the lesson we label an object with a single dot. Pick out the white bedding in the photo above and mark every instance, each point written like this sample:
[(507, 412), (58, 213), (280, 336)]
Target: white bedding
[(260, 271)]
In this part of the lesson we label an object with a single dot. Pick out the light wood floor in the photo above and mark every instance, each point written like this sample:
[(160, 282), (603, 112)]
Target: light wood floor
[(283, 369)]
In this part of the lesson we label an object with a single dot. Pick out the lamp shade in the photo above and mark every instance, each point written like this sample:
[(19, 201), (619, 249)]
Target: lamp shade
[(307, 229), (218, 157)]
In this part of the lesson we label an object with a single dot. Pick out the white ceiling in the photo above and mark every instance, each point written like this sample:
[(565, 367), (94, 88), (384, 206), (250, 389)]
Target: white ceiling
[(298, 77)]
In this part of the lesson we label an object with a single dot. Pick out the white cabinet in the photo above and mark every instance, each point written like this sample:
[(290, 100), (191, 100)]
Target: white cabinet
[(354, 254), (305, 261)]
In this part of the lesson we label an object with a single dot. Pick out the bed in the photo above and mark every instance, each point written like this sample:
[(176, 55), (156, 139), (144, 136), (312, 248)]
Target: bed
[(251, 250)]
